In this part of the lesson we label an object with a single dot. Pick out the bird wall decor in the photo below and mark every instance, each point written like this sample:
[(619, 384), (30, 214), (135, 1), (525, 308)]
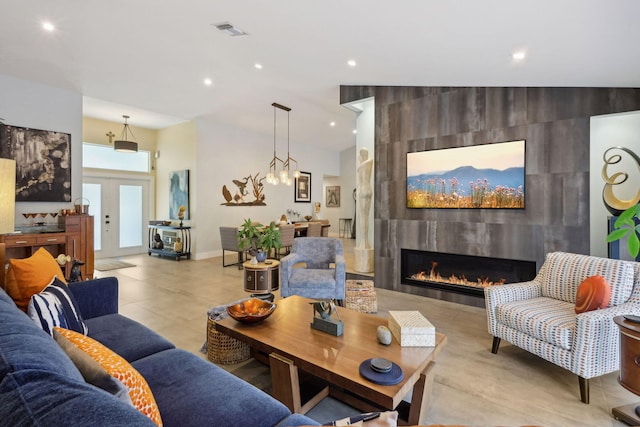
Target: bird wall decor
[(239, 198)]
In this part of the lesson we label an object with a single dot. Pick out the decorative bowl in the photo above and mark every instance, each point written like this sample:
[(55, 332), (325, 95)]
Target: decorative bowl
[(308, 217), (166, 222), (251, 311)]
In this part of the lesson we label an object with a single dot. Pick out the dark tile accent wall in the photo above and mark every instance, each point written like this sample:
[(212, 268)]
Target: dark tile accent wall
[(553, 121)]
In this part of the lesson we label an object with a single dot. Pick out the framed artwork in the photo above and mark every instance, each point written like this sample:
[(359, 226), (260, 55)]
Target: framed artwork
[(487, 176), (302, 188), (333, 197), (43, 163), (179, 193)]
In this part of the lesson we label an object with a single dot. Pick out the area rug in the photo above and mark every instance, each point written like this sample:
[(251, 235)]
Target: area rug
[(107, 264)]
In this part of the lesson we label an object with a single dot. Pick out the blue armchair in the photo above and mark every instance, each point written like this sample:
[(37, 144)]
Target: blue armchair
[(318, 279)]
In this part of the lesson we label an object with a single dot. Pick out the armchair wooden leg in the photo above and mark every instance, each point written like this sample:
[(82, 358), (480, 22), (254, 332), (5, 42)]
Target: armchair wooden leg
[(584, 389), (495, 345)]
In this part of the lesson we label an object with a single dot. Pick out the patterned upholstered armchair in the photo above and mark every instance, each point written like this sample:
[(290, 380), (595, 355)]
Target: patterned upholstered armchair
[(539, 316), (318, 279)]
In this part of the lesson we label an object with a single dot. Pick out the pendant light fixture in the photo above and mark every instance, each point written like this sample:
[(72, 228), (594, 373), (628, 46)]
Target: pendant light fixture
[(123, 144), (274, 177)]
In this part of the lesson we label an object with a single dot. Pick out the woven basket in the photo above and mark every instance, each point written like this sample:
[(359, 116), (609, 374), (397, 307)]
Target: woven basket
[(361, 296), (223, 349)]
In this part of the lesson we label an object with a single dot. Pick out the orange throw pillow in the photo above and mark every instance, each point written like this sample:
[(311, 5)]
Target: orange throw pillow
[(29, 276), (120, 369), (593, 293)]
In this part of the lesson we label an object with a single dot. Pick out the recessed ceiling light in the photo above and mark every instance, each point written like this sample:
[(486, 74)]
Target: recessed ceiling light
[(208, 82), (48, 26), (332, 124), (518, 55), (355, 131), (258, 66), (352, 63)]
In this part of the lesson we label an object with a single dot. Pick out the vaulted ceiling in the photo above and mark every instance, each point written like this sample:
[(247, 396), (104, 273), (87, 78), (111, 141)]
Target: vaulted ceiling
[(149, 58)]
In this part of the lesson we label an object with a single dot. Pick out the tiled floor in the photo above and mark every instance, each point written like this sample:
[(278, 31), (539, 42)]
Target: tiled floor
[(472, 386)]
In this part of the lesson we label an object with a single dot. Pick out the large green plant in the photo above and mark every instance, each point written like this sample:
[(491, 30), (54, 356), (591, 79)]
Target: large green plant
[(625, 226), (249, 236), (270, 238)]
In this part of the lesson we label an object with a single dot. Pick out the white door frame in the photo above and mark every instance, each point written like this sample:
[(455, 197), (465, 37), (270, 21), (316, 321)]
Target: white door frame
[(150, 182)]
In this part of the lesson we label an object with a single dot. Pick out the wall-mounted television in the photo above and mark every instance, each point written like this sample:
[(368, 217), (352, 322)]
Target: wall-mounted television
[(487, 176)]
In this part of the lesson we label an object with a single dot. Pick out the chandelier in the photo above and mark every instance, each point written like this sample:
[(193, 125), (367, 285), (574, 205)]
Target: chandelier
[(123, 144), (274, 177)]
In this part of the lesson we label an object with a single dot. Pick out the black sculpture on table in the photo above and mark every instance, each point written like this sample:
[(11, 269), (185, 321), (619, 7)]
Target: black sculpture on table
[(76, 274)]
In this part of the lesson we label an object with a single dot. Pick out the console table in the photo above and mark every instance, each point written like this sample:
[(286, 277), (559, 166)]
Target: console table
[(73, 236), (169, 235)]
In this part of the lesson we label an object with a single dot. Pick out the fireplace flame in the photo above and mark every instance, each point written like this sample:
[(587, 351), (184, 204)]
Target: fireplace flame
[(434, 276)]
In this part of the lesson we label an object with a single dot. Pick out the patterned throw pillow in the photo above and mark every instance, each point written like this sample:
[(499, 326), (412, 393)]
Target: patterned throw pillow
[(29, 276), (55, 306), (91, 370), (593, 293), (116, 366)]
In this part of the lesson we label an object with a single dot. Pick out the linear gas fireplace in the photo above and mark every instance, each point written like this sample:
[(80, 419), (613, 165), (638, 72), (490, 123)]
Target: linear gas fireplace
[(463, 274)]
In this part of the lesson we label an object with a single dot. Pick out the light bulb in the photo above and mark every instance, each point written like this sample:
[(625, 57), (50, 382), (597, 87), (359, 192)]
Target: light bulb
[(284, 175), (289, 182), (296, 173)]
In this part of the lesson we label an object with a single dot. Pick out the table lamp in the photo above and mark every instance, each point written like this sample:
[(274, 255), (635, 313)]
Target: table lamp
[(7, 204)]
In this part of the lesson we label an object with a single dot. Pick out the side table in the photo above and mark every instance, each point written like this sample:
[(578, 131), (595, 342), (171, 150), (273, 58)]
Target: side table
[(629, 367), (262, 278)]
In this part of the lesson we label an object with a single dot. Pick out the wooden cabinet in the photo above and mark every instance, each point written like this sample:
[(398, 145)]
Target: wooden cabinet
[(75, 239), (79, 240)]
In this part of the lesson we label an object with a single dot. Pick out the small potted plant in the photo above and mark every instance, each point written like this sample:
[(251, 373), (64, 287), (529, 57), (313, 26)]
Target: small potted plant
[(270, 239), (249, 238), (628, 225)]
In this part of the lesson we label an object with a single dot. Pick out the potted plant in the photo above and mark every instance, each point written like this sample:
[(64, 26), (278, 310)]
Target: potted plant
[(628, 224), (249, 238), (270, 239)]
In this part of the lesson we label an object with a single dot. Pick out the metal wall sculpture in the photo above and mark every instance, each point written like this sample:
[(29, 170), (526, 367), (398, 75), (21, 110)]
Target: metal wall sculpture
[(614, 204), (241, 192)]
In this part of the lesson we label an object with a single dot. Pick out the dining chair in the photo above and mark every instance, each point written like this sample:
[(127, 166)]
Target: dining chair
[(229, 242), (287, 233), (314, 229)]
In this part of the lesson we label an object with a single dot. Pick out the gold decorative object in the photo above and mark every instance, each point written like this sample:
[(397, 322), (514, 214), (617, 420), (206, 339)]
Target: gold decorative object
[(614, 204)]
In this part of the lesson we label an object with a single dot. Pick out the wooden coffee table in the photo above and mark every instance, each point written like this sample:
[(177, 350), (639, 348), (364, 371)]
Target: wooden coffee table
[(291, 345)]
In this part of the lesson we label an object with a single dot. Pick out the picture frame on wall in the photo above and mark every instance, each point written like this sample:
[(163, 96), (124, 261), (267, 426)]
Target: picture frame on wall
[(43, 163), (302, 188), (179, 194), (332, 198)]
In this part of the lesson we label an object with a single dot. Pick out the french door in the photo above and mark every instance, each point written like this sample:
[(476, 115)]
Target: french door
[(120, 207)]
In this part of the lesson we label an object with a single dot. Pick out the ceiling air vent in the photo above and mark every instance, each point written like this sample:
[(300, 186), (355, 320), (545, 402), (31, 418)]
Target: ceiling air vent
[(230, 29)]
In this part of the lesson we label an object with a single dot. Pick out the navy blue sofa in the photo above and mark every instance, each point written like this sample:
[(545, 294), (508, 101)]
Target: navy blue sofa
[(39, 385)]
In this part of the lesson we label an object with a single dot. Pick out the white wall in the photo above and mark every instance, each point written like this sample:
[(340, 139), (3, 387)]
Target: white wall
[(225, 153), (611, 130), (28, 104), (347, 183)]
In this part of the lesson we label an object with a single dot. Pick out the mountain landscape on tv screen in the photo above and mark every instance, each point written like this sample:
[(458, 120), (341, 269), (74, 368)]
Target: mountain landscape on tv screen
[(512, 177), (467, 187)]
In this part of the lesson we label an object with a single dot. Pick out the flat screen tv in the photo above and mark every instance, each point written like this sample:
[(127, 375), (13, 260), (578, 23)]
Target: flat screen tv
[(487, 176)]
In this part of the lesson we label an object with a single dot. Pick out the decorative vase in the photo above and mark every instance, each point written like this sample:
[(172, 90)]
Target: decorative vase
[(253, 260), (261, 256)]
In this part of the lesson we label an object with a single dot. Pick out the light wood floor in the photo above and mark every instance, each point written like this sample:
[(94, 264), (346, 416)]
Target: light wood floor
[(472, 386)]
